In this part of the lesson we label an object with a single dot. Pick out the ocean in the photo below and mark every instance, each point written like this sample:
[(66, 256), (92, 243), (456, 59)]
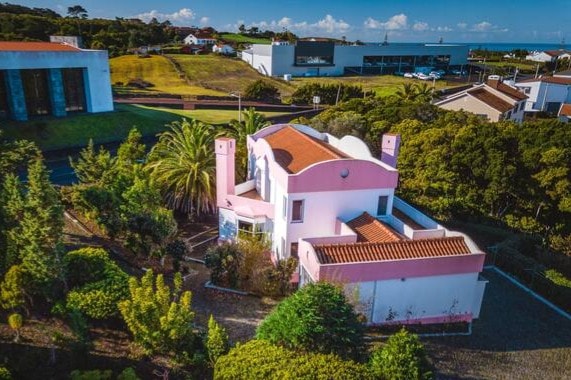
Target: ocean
[(495, 46)]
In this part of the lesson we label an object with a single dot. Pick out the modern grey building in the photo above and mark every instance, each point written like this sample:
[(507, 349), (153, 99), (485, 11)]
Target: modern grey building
[(43, 78), (326, 58)]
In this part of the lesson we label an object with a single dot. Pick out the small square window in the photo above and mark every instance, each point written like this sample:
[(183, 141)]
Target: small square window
[(293, 250), (297, 211)]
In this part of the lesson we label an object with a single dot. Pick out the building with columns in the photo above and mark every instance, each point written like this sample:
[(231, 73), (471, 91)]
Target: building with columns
[(44, 78), (332, 205)]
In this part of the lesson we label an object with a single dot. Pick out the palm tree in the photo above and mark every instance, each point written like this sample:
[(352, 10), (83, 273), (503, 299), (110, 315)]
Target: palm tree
[(253, 122), (423, 92), (184, 166), (407, 92)]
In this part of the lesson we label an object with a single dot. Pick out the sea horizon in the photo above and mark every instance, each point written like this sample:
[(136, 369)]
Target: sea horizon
[(494, 46)]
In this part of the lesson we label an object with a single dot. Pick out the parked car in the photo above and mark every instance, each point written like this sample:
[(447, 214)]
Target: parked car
[(408, 75)]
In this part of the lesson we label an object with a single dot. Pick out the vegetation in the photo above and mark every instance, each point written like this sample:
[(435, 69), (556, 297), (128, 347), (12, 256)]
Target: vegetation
[(259, 359), (183, 165), (261, 90), (316, 318), (328, 93), (16, 321), (401, 358), (159, 319), (216, 341)]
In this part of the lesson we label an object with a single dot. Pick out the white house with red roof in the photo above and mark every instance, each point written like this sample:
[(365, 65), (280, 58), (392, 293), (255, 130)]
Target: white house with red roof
[(493, 100), (546, 93), (200, 38), (331, 204), (45, 78), (548, 55)]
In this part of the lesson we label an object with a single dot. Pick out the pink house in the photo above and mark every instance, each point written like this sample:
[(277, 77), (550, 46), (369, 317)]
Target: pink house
[(331, 204)]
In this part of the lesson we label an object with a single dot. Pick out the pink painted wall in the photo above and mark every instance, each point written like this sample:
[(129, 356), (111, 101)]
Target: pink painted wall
[(326, 176), (384, 270), (225, 150), (258, 208)]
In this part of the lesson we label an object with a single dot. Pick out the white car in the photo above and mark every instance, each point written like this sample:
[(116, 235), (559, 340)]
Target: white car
[(422, 76), (408, 75)]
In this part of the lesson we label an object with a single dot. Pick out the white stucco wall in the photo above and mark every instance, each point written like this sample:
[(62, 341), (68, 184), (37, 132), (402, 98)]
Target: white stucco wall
[(96, 63), (541, 93), (417, 298)]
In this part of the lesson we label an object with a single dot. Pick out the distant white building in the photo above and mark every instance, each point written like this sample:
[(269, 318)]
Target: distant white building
[(200, 38), (223, 49), (328, 58), (494, 100), (546, 94), (548, 55)]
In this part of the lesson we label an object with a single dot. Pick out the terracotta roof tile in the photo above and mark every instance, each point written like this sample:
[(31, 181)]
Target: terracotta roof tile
[(565, 110), (511, 92), (391, 251), (35, 46), (295, 151), (371, 230), (554, 80), (490, 99)]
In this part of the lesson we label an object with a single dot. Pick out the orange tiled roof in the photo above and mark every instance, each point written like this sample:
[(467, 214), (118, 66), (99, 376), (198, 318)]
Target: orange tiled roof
[(371, 230), (391, 251), (295, 151), (35, 46), (565, 110), (554, 80), (490, 99)]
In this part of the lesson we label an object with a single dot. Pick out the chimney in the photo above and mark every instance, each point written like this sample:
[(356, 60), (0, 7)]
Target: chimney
[(225, 149), (390, 149)]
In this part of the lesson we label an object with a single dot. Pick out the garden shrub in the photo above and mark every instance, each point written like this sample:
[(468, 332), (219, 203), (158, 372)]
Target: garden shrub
[(316, 318), (5, 373), (105, 285), (261, 90), (327, 93), (401, 358), (224, 263), (258, 359)]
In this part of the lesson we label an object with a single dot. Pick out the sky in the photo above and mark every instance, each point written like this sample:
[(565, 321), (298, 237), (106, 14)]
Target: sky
[(523, 21)]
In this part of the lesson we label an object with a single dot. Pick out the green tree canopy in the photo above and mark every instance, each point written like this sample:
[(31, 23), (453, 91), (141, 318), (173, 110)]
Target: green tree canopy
[(315, 318)]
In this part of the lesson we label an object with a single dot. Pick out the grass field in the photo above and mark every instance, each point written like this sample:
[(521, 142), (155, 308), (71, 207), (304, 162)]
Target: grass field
[(157, 70), (238, 38), (382, 85), (516, 337), (223, 74), (76, 130)]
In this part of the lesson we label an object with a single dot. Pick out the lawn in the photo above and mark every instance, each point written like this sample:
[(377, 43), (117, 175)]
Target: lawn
[(382, 85), (241, 39), (223, 74), (157, 70), (75, 130)]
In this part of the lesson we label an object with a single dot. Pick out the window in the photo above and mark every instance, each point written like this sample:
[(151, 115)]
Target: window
[(293, 250), (297, 211), (284, 208), (522, 104), (509, 114), (281, 253), (382, 206)]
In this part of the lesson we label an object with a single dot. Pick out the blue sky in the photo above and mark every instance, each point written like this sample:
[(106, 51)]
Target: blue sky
[(367, 20)]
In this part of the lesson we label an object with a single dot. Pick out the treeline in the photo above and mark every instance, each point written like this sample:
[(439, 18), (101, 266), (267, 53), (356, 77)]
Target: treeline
[(456, 165), (19, 23)]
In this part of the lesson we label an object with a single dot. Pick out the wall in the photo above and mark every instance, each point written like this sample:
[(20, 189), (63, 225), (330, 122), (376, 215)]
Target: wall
[(436, 299), (97, 78), (472, 105)]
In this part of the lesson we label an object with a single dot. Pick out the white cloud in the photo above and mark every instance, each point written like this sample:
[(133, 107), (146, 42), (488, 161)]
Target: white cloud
[(462, 25), (327, 25), (397, 22), (445, 29), (204, 20), (180, 16), (485, 26), (420, 26)]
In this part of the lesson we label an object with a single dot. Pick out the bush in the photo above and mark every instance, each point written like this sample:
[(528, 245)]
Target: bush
[(402, 358), (91, 375), (315, 318), (261, 90), (99, 284), (216, 341), (224, 262), (327, 93), (5, 373), (258, 359)]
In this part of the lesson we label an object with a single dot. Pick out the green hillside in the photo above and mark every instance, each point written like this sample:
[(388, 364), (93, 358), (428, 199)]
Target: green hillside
[(241, 39)]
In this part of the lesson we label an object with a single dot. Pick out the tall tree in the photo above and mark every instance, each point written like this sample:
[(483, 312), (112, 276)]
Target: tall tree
[(77, 11), (183, 165)]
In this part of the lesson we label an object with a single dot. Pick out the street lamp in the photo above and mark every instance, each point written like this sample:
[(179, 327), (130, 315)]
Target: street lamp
[(238, 95)]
